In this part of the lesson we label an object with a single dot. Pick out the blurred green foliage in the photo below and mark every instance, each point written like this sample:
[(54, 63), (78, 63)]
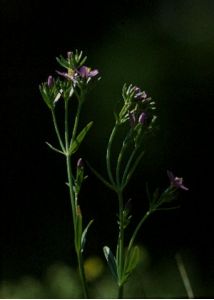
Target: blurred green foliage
[(153, 278)]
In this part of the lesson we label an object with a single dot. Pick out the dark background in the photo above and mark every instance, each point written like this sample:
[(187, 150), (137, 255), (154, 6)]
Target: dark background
[(167, 48)]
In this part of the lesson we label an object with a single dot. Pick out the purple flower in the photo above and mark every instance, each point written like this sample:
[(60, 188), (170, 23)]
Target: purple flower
[(50, 81), (86, 72), (139, 95), (142, 118), (176, 182), (80, 163), (69, 75)]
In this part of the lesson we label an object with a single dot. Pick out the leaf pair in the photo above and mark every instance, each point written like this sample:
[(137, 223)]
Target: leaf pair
[(74, 145), (131, 261)]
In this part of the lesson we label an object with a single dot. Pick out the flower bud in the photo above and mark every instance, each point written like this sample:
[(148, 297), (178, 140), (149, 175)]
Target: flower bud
[(69, 54), (142, 118), (50, 81), (80, 164)]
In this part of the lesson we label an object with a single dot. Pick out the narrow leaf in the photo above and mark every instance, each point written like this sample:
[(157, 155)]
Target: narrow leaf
[(78, 233), (84, 234), (62, 61), (111, 261), (45, 96), (135, 164), (54, 149), (100, 177), (132, 260), (76, 143)]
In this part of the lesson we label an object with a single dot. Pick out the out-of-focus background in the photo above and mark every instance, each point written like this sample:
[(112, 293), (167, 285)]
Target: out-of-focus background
[(167, 48)]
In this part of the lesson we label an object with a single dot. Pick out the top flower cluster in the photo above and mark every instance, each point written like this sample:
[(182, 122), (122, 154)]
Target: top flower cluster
[(138, 108), (77, 76), (76, 70)]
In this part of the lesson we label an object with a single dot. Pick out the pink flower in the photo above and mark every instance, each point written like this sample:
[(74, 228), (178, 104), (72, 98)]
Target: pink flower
[(176, 182)]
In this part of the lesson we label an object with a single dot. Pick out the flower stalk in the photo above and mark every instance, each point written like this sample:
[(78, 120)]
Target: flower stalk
[(137, 117), (75, 82)]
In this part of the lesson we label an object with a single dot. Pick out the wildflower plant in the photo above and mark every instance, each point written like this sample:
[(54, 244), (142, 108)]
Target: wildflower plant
[(134, 121)]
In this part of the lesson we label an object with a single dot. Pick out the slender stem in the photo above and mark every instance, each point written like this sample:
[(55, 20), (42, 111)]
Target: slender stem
[(120, 292), (76, 122), (108, 154), (132, 169), (57, 131), (138, 228), (82, 275), (69, 169), (71, 192), (184, 276), (126, 171), (121, 258), (120, 158), (111, 187), (119, 161)]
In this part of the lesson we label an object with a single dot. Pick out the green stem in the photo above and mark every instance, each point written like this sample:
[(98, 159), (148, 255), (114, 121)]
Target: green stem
[(121, 253), (126, 171), (71, 191), (120, 158), (128, 177), (68, 165), (76, 122), (120, 292), (138, 228), (57, 131), (119, 161), (108, 154), (82, 275), (111, 187)]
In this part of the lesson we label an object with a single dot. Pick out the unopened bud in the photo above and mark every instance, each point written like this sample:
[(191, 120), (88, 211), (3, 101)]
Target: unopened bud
[(50, 81), (69, 54), (142, 118), (80, 163)]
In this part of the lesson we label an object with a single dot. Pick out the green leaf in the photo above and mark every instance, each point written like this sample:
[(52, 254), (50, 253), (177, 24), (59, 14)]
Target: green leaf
[(76, 143), (132, 260), (54, 149), (78, 233), (62, 61), (100, 177), (84, 234), (79, 179), (45, 96), (111, 261)]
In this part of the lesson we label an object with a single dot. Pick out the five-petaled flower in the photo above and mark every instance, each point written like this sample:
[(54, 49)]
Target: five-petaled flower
[(70, 74), (139, 95), (86, 72), (176, 182), (81, 73)]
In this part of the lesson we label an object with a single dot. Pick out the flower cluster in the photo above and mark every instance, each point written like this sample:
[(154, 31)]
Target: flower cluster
[(76, 71), (74, 79), (138, 107), (51, 91), (137, 111)]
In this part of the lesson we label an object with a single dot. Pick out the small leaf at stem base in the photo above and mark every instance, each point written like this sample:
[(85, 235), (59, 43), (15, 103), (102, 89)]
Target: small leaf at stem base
[(111, 261)]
